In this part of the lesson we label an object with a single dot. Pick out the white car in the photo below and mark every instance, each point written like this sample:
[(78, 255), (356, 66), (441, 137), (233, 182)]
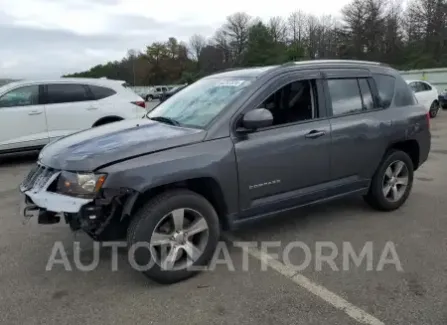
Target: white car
[(34, 113), (426, 94)]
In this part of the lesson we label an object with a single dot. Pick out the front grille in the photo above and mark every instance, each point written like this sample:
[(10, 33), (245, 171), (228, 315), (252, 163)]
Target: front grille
[(37, 178)]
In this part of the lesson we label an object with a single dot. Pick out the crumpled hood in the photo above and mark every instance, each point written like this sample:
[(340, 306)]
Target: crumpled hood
[(87, 150)]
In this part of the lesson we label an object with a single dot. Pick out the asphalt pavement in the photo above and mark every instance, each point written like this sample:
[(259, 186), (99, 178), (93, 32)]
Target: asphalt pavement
[(416, 294)]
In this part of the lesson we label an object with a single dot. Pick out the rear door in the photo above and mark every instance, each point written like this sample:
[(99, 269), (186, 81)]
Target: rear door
[(358, 133), (22, 118), (69, 108)]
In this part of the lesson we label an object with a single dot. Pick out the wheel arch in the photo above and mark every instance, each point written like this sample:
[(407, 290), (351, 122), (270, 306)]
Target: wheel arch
[(410, 147), (107, 119), (208, 187)]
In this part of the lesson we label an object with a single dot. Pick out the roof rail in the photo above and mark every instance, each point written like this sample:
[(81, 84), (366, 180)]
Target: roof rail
[(323, 61)]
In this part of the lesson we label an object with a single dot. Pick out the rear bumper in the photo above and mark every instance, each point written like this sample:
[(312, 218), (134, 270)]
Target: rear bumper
[(424, 147)]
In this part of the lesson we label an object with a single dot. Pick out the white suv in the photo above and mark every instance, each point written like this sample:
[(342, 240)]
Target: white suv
[(34, 113)]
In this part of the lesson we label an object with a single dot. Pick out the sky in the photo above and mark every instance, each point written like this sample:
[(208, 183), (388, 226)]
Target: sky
[(49, 38)]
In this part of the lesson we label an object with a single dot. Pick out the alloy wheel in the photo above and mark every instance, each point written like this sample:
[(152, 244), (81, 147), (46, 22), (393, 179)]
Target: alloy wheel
[(395, 181), (179, 239)]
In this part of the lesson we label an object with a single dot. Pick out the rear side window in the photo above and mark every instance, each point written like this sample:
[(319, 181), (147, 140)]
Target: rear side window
[(66, 93), (345, 95), (385, 86), (404, 96), (101, 92), (425, 86), (368, 101)]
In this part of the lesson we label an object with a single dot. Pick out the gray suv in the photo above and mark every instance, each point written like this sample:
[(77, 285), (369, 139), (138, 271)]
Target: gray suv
[(230, 148)]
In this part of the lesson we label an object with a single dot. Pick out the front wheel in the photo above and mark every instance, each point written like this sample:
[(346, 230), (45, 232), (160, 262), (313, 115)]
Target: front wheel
[(434, 109), (391, 185), (176, 232)]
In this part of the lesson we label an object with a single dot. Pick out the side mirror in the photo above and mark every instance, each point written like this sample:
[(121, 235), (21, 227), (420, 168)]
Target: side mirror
[(257, 118)]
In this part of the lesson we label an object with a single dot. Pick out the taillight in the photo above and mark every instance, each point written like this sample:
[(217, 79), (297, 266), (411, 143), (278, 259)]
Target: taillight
[(140, 103)]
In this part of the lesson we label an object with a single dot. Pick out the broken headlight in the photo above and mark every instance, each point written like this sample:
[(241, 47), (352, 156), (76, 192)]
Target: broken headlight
[(84, 185)]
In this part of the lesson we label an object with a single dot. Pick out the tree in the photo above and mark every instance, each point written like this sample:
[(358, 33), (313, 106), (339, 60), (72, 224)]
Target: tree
[(376, 30), (427, 24), (262, 48), (278, 29), (235, 35), (212, 59), (296, 24), (354, 17), (197, 43), (296, 30)]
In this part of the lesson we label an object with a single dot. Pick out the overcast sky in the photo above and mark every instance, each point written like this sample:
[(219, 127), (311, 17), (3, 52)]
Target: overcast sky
[(48, 38)]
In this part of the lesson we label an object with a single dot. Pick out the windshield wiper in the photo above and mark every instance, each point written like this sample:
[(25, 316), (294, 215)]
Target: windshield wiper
[(164, 119)]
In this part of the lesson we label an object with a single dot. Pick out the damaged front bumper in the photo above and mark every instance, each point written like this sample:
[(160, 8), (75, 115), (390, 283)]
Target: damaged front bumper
[(92, 215), (36, 201)]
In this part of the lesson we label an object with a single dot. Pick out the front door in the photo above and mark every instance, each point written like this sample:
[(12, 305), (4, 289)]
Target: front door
[(286, 164), (22, 119)]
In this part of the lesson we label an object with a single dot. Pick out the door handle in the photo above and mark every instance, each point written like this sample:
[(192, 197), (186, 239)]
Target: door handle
[(314, 134), (34, 112), (91, 108)]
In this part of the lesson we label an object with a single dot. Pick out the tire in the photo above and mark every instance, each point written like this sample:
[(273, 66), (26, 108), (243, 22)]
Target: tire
[(149, 98), (376, 197), (157, 213), (434, 109)]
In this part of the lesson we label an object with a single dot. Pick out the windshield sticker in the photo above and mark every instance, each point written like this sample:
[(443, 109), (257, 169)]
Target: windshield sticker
[(231, 83)]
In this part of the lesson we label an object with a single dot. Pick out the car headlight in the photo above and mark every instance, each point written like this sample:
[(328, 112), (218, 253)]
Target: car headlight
[(84, 185)]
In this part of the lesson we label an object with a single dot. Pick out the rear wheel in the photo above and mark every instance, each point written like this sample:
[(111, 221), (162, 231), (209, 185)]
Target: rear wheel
[(176, 232), (392, 182), (149, 98), (434, 109)]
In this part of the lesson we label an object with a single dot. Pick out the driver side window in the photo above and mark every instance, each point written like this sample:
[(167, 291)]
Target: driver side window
[(292, 103), (23, 96)]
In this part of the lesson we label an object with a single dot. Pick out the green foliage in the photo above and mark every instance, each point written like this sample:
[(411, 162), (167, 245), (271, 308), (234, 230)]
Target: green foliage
[(375, 30), (262, 49)]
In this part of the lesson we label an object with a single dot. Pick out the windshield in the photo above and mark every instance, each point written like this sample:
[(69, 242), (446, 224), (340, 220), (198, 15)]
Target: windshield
[(198, 104)]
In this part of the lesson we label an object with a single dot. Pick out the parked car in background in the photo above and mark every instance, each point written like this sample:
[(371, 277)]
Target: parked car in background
[(231, 148), (34, 113), (443, 99), (171, 92), (427, 95), (155, 92)]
